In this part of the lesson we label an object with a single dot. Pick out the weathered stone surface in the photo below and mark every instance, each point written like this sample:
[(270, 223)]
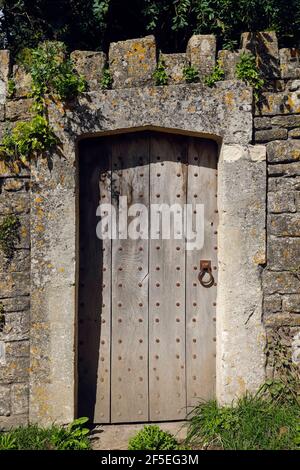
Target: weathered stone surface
[(19, 398), (19, 263), (241, 245), (90, 65), (16, 327), (201, 53), (281, 202), (15, 184), (9, 422), (228, 61), (14, 284), (223, 111), (19, 109), (294, 133), (12, 170), (282, 319), (174, 64), (278, 152), (18, 348), (4, 74), (270, 134), (5, 408), (295, 346), (285, 121), (2, 112), (280, 282), (284, 169), (18, 304), (283, 253), (264, 46), (289, 63), (291, 303), (272, 304), (132, 62), (262, 123), (284, 185), (23, 82), (284, 225), (278, 103), (15, 371), (11, 203)]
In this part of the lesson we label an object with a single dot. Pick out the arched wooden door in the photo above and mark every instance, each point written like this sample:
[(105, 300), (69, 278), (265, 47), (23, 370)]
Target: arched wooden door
[(146, 337)]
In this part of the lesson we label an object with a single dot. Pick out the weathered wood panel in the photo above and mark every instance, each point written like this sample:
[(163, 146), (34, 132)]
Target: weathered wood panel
[(200, 301), (129, 377), (167, 393)]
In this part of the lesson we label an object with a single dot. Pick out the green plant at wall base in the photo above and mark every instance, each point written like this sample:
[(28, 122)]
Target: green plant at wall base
[(217, 75), (33, 437), (9, 234), (106, 79), (252, 423), (160, 75), (27, 139), (11, 88), (190, 74), (247, 71), (153, 438)]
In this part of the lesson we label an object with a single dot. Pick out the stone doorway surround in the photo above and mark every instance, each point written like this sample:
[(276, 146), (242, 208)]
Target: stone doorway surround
[(224, 114)]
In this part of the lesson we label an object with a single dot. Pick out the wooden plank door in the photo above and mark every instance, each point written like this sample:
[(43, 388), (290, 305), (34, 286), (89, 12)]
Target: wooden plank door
[(129, 354), (146, 324), (167, 394)]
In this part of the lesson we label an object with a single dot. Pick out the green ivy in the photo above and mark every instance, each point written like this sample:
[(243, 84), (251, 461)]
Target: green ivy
[(52, 75), (190, 74), (11, 88), (217, 75), (106, 79), (247, 71), (27, 139), (9, 234), (160, 74)]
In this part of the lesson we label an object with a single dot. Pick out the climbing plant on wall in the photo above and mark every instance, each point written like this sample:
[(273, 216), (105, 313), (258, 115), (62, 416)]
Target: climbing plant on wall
[(53, 76)]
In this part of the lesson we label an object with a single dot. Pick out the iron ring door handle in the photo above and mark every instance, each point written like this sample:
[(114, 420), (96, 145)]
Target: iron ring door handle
[(205, 269)]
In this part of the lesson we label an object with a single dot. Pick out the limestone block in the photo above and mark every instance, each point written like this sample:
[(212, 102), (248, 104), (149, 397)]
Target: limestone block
[(268, 135), (281, 202), (294, 133), (278, 103), (133, 62), (283, 253), (282, 319), (262, 123), (281, 282), (19, 398), (14, 284), (285, 121), (289, 63), (5, 408), (279, 152), (284, 225), (4, 74), (201, 53), (264, 46), (174, 64), (284, 169), (229, 60), (90, 65), (272, 303), (291, 303), (22, 81), (15, 370), (19, 109)]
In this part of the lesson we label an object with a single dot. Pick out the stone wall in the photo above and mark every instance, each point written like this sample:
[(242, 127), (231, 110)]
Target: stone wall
[(224, 111)]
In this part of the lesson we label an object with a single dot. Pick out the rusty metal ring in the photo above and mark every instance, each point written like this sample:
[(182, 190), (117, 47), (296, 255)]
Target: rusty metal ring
[(211, 280)]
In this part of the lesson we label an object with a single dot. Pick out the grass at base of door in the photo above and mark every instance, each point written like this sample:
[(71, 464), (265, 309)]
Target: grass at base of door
[(254, 423)]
